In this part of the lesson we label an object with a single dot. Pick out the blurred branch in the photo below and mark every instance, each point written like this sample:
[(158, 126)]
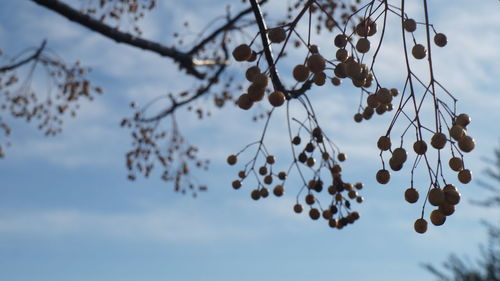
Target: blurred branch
[(26, 60)]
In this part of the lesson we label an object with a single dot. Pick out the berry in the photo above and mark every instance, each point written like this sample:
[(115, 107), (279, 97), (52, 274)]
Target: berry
[(297, 208), (236, 184), (301, 73), (437, 218), (316, 63), (242, 52), (363, 45), (420, 225), (457, 132), (341, 157), (232, 159), (440, 40), (384, 143), (252, 72), (410, 25), (277, 35), (438, 140), (399, 155), (383, 176), (342, 55), (456, 164), (264, 192), (255, 194), (244, 102), (411, 195), (277, 98), (270, 159), (436, 196), (418, 51), (465, 176), (340, 41), (463, 120), (466, 144), (314, 214), (279, 190), (420, 147)]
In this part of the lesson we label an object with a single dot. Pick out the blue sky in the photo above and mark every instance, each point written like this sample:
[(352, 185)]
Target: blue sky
[(67, 211)]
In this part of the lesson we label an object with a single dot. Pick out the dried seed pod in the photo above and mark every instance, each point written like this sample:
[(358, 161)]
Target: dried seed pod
[(244, 102), (342, 55), (440, 40), (399, 155), (452, 197), (277, 35), (436, 196), (383, 176), (463, 120), (232, 159), (457, 132), (277, 98), (411, 195), (242, 52), (363, 45), (437, 218), (465, 176), (456, 164), (279, 190), (252, 72), (418, 51), (297, 208), (420, 147), (438, 140), (466, 144), (384, 143), (301, 73), (316, 63), (410, 25), (420, 225), (340, 41)]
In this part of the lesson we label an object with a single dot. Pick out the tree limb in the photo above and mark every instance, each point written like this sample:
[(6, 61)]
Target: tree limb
[(183, 59), (26, 60)]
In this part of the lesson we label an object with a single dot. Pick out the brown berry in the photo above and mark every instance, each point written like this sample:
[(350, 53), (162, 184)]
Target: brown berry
[(236, 184), (340, 41), (316, 63), (279, 190), (418, 51), (244, 102), (438, 140), (384, 143), (436, 196), (297, 208), (410, 25), (420, 226), (456, 164), (277, 35), (466, 144), (314, 214), (242, 52), (232, 159), (301, 73), (440, 40), (277, 98), (465, 176), (437, 218), (383, 176), (420, 147), (363, 45), (411, 195)]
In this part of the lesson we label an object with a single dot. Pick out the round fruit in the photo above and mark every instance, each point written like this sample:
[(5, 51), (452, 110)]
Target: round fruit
[(410, 25), (232, 159), (242, 52), (319, 78), (277, 98), (456, 164), (277, 35), (282, 175), (420, 147), (314, 214), (244, 102), (342, 55), (463, 120), (251, 72), (452, 197), (340, 41), (383, 176), (465, 176), (399, 155), (336, 81), (438, 140), (264, 192), (466, 144), (341, 157), (359, 185), (327, 214), (261, 80), (316, 63), (437, 218), (332, 223), (270, 159), (301, 73), (384, 143), (411, 195), (297, 208), (446, 209), (418, 51), (279, 190), (420, 226), (255, 194), (262, 170), (395, 166), (236, 184), (457, 132), (436, 196), (310, 199), (363, 45), (440, 40)]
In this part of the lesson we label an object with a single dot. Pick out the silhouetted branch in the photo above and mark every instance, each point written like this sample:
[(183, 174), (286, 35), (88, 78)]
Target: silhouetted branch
[(26, 60)]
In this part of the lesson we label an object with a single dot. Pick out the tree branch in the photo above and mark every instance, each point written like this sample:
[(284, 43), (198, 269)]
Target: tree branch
[(183, 59), (26, 60)]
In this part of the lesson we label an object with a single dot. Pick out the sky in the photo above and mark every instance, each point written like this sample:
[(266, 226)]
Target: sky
[(68, 212)]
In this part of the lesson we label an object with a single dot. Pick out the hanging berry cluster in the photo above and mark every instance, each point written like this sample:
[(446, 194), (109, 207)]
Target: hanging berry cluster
[(357, 44)]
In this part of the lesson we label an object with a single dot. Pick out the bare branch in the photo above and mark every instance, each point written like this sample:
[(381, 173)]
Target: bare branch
[(26, 60)]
